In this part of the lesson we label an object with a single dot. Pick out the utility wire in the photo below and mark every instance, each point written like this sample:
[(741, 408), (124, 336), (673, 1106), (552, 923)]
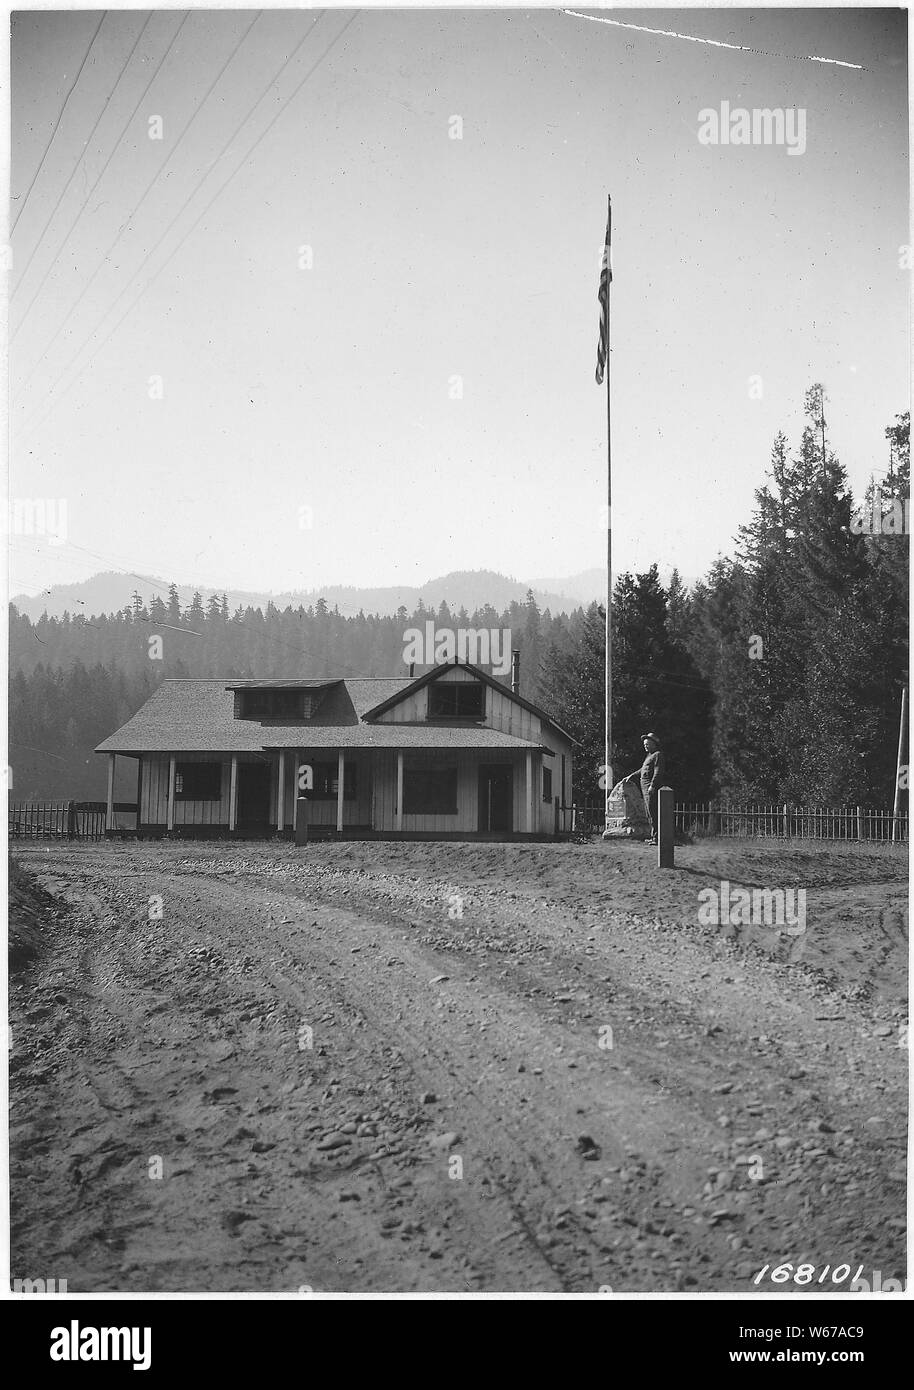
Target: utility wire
[(114, 150), (99, 177), (178, 215), (124, 225), (197, 221), (57, 123), (85, 145)]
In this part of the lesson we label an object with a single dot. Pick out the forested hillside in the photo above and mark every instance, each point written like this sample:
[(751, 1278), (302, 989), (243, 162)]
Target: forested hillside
[(76, 679), (777, 677)]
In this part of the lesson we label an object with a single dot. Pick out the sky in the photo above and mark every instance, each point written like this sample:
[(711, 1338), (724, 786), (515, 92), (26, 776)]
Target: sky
[(339, 324)]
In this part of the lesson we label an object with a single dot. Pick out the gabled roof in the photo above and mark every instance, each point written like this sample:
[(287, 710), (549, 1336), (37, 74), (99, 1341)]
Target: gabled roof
[(197, 716), (396, 696)]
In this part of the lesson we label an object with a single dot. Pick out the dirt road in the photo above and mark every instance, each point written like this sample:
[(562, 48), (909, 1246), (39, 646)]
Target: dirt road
[(454, 1067)]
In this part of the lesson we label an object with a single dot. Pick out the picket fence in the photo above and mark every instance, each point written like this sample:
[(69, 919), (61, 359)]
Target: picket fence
[(768, 822), (65, 820)]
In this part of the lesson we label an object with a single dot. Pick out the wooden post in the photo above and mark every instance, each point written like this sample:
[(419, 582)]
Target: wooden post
[(109, 814), (399, 806), (786, 821), (712, 819), (170, 820), (902, 741), (233, 793), (281, 794), (665, 827), (300, 811), (296, 791), (340, 772), (529, 793)]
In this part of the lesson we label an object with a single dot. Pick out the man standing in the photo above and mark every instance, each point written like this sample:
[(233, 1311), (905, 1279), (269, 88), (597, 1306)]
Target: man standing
[(653, 770)]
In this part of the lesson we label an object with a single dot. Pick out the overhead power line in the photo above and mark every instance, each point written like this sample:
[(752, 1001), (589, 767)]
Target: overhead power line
[(60, 117), (82, 155), (41, 235), (28, 426), (124, 225), (188, 200)]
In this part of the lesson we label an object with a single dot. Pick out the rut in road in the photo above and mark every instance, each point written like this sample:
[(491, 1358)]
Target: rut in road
[(315, 1167)]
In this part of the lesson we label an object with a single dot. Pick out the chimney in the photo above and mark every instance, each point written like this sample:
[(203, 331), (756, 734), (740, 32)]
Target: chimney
[(515, 672)]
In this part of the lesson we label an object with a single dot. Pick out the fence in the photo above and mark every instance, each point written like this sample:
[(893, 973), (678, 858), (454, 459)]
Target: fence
[(789, 822), (66, 820), (785, 822)]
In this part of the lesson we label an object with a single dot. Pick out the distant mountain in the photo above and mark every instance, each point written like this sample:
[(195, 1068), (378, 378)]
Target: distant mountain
[(111, 591), (587, 587)]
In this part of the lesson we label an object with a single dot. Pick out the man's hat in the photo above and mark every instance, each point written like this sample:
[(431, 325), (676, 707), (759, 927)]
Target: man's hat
[(653, 736)]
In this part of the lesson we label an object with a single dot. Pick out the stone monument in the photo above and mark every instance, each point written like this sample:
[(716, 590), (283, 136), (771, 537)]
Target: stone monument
[(626, 813)]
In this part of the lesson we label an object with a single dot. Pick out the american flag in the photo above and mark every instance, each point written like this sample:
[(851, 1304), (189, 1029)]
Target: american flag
[(606, 275)]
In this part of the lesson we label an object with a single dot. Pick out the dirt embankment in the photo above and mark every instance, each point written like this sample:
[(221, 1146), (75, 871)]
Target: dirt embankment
[(453, 1067)]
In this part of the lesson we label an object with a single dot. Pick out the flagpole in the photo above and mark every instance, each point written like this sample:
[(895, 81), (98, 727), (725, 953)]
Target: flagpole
[(902, 736), (607, 759)]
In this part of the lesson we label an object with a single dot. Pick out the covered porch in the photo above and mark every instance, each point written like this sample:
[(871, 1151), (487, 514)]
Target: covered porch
[(353, 792)]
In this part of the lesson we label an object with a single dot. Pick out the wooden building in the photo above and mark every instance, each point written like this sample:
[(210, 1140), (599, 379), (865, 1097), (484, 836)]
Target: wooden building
[(452, 754)]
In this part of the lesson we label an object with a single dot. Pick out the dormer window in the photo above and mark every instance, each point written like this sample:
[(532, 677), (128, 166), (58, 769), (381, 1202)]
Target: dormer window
[(456, 700), (276, 704)]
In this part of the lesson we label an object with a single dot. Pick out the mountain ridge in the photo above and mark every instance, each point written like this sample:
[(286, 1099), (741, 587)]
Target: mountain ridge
[(110, 591)]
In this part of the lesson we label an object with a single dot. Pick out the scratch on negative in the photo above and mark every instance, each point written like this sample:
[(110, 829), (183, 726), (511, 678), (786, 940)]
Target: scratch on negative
[(714, 43)]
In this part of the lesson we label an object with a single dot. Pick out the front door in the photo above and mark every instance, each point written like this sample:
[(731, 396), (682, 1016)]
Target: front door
[(253, 794), (496, 798)]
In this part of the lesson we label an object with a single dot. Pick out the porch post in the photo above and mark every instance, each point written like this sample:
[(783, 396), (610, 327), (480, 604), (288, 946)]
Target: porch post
[(529, 793), (233, 792), (399, 818), (281, 794), (340, 770), (109, 814), (171, 793), (295, 790)]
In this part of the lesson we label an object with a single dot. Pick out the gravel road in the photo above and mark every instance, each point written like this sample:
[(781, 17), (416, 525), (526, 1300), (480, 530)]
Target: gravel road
[(453, 1067)]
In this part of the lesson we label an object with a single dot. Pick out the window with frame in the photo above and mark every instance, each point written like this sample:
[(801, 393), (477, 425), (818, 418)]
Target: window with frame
[(456, 700), (430, 791), (547, 783), (198, 781), (326, 777), (276, 704)]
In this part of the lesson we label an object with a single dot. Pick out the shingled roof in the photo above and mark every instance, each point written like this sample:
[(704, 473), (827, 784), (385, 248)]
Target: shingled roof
[(197, 716)]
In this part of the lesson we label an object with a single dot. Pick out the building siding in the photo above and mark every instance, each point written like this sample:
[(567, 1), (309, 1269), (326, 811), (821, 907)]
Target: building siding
[(355, 812), (154, 793), (502, 713), (374, 804)]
